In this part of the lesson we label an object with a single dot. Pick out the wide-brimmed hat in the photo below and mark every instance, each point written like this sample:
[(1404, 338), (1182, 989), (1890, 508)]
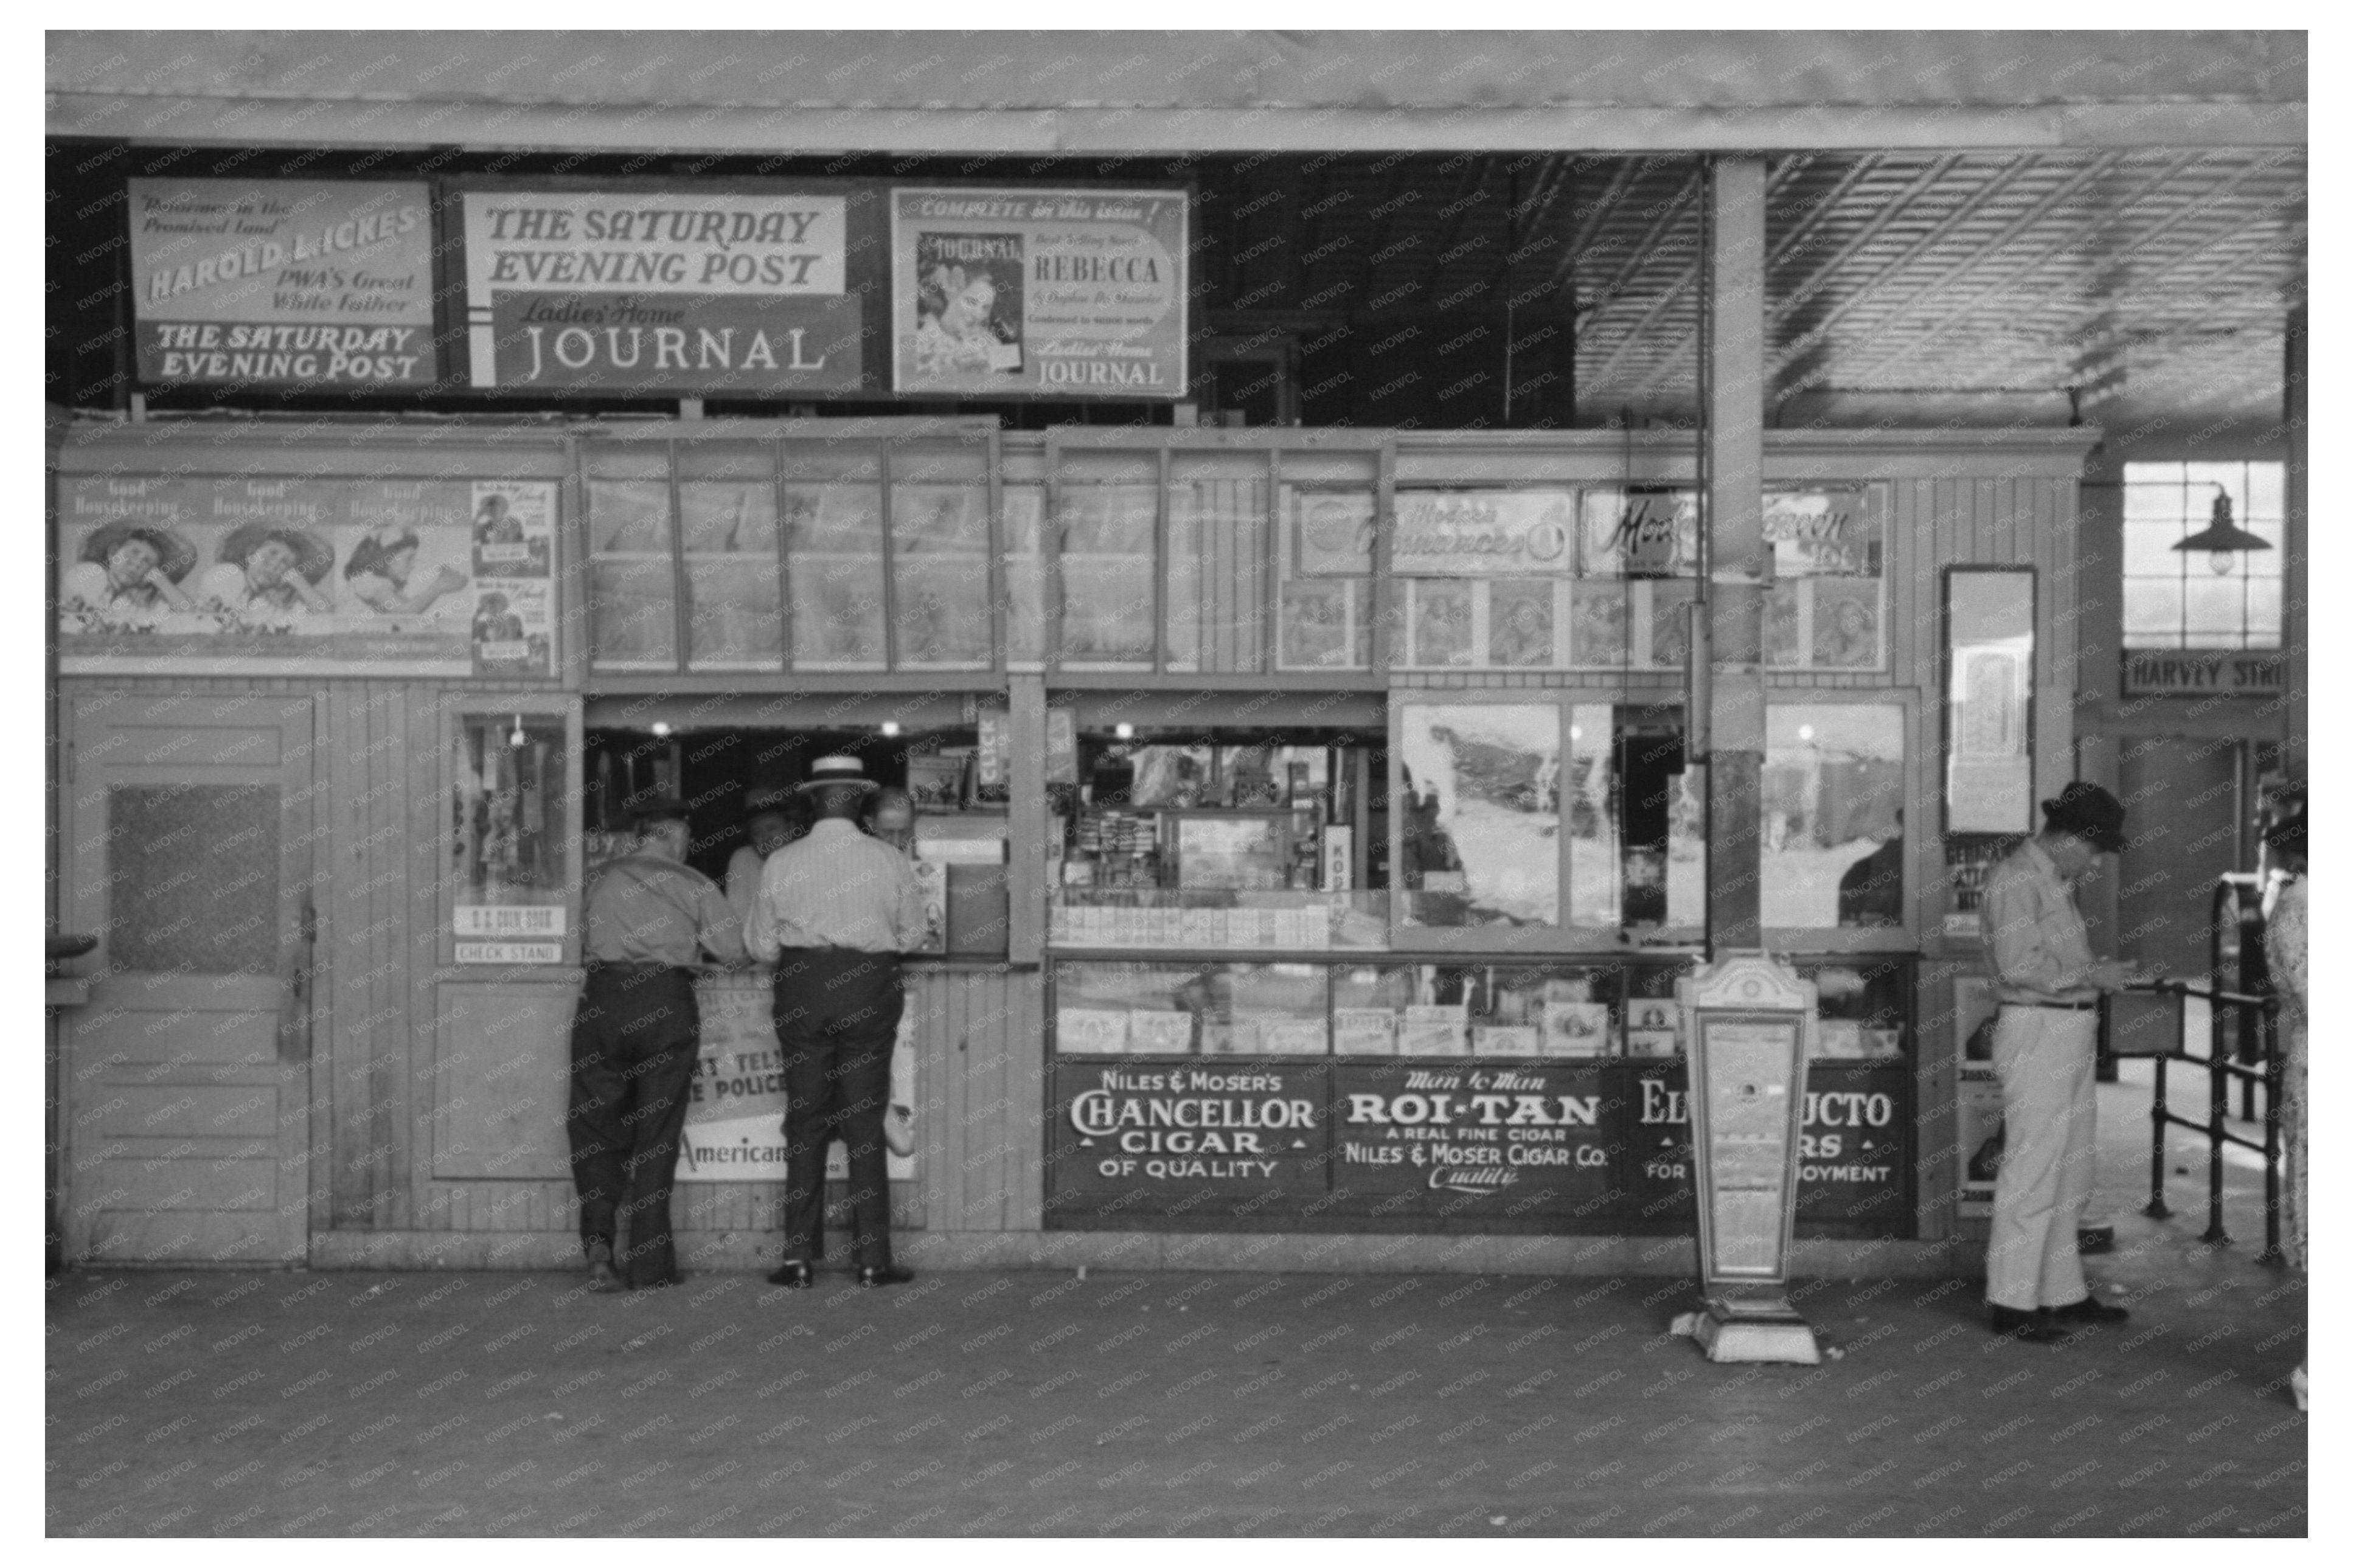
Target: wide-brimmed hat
[(828, 770), (379, 547), (657, 808), (174, 555), (313, 554), (2091, 814)]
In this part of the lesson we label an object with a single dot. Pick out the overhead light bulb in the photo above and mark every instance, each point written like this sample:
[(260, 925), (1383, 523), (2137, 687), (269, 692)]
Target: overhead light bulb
[(890, 726), (1125, 732), (516, 740), (662, 730), (1805, 731)]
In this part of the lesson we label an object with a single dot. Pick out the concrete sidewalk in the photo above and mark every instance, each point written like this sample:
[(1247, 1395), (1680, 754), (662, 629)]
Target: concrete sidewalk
[(1207, 1404)]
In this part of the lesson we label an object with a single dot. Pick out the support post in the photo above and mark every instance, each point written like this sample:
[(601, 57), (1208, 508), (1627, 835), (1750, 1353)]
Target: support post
[(2296, 623), (1733, 556)]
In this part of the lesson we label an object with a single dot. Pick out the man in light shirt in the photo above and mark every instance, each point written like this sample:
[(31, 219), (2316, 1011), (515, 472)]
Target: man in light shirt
[(636, 1035), (835, 911), (2044, 1040)]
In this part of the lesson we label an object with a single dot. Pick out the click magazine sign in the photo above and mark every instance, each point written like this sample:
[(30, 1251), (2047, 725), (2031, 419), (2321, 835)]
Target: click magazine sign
[(1038, 292)]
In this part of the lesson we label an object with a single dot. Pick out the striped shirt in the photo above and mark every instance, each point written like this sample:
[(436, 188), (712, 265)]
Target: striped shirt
[(2034, 935), (837, 888), (649, 908)]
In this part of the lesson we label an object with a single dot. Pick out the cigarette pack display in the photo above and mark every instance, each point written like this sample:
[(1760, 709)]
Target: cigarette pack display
[(1652, 1042), (1504, 1041), (1364, 1031), (1339, 859), (932, 880), (1839, 1039), (1090, 1031), (1576, 1029), (1293, 1037), (1238, 1038), (1652, 1013), (1155, 1033), (1434, 1031)]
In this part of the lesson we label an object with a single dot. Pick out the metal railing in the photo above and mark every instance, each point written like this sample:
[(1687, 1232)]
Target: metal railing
[(2227, 1011)]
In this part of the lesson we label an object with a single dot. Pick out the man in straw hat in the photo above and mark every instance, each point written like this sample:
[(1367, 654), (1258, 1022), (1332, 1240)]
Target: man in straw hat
[(2044, 1040), (635, 1038), (834, 911)]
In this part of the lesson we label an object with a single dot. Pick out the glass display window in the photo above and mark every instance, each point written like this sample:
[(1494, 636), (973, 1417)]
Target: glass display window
[(512, 785), (1217, 552), (1023, 523), (1193, 840), (1862, 1007), (1828, 608), (833, 538), (1484, 578), (1107, 523), (632, 577), (1212, 1009), (1324, 562), (733, 563), (941, 598), (1833, 791)]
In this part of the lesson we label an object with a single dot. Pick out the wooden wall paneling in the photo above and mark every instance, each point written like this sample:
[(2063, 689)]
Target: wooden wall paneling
[(350, 1187), (429, 1208), (394, 781), (1024, 1034)]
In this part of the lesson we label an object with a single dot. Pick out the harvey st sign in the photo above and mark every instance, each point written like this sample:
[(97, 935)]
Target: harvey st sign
[(2174, 672)]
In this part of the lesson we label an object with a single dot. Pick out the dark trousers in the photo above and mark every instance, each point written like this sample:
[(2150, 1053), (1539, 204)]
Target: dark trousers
[(837, 1019), (635, 1036)]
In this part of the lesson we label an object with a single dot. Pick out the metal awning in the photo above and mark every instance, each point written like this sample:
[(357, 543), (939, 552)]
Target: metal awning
[(1070, 92)]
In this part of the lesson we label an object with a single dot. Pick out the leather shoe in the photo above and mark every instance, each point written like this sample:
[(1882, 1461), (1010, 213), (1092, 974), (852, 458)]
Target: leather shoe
[(2034, 1328), (2090, 1310), (794, 1277), (893, 1274), (601, 1277)]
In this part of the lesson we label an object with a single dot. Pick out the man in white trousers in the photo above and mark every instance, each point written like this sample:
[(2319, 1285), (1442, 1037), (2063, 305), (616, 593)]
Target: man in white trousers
[(2043, 1041)]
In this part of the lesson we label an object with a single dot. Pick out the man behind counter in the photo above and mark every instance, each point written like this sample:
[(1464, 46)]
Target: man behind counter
[(635, 1038), (834, 912)]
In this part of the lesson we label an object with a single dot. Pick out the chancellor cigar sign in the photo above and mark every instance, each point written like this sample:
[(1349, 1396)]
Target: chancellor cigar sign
[(649, 291), (306, 283)]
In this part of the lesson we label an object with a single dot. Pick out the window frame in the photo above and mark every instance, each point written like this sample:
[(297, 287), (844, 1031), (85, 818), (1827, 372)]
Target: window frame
[(457, 707)]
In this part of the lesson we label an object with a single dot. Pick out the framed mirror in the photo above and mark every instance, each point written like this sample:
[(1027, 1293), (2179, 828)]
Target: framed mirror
[(1988, 700)]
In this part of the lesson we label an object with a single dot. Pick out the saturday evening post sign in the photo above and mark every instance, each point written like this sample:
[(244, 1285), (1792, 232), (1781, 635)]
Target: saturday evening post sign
[(314, 283), (675, 291), (1026, 292)]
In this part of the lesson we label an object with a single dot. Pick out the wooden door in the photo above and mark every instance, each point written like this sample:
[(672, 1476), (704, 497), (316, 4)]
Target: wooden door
[(189, 852)]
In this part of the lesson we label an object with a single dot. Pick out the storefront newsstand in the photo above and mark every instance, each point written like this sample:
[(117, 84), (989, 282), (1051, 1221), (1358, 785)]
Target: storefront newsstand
[(1307, 814)]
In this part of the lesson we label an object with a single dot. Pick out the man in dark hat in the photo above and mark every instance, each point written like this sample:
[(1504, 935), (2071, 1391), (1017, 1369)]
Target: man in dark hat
[(2044, 1040), (834, 911), (635, 1036)]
